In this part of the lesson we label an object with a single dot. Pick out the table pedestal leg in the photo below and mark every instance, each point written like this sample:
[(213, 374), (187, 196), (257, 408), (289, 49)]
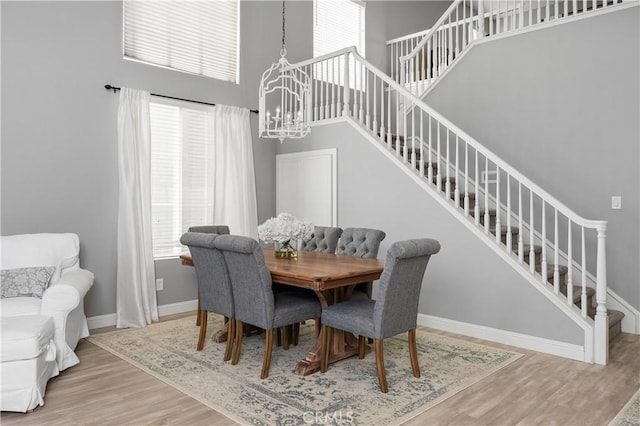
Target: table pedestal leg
[(343, 344)]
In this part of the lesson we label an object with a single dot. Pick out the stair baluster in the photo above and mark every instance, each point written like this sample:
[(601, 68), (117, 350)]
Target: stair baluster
[(498, 229), (543, 268), (570, 271), (520, 220), (532, 253), (486, 196), (556, 259), (466, 179), (509, 234)]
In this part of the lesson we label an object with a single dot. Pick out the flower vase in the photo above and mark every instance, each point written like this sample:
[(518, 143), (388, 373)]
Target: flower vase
[(286, 250)]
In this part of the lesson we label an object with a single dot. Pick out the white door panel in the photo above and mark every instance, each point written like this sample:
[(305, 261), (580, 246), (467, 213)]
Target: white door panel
[(306, 186)]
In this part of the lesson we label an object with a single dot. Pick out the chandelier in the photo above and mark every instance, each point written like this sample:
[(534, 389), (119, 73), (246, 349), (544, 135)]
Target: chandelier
[(287, 90)]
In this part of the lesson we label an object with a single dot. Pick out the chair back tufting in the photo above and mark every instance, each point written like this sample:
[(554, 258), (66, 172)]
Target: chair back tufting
[(361, 242), (323, 240)]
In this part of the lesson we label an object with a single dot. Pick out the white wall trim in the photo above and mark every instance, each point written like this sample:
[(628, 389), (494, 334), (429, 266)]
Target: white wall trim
[(538, 344), (109, 320)]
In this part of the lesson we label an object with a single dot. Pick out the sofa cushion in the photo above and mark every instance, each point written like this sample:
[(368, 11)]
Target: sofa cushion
[(17, 306), (58, 250), (25, 282), (26, 337)]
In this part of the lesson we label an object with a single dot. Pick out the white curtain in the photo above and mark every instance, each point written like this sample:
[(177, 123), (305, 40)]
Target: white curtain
[(136, 293), (234, 189)]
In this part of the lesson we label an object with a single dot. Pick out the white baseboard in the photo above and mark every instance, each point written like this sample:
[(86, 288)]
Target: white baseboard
[(163, 310), (538, 344)]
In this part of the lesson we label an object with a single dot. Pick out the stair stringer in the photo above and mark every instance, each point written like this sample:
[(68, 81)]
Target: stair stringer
[(584, 353)]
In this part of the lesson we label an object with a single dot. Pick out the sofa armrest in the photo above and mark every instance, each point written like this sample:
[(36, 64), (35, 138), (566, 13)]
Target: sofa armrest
[(68, 292), (63, 301)]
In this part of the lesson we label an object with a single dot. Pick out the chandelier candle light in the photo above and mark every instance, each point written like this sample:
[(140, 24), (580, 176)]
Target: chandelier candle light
[(290, 89), (284, 232)]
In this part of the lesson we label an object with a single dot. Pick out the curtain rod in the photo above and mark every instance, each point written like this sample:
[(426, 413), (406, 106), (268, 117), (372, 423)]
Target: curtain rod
[(115, 89)]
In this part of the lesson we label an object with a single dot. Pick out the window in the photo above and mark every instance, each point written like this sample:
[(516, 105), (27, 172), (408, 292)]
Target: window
[(181, 172), (198, 37), (338, 24)]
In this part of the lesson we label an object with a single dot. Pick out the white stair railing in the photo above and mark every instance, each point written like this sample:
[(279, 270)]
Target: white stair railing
[(533, 230), (418, 59)]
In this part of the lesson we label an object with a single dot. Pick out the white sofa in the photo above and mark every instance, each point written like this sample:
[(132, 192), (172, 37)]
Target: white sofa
[(59, 312)]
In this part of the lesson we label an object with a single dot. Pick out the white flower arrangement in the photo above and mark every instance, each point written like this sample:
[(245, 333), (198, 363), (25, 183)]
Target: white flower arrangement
[(284, 228)]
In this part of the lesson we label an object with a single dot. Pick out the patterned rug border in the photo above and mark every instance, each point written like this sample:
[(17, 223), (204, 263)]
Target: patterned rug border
[(461, 386), (631, 405)]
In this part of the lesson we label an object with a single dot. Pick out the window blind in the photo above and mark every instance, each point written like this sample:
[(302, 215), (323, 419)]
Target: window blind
[(198, 37), (181, 173), (338, 24)]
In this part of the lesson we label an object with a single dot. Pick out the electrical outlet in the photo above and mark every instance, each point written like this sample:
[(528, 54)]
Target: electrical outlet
[(159, 284), (616, 202)]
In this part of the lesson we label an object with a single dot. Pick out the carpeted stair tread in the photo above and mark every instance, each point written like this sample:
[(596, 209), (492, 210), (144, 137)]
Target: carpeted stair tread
[(614, 316), (526, 250), (550, 268), (614, 320), (503, 230), (577, 293)]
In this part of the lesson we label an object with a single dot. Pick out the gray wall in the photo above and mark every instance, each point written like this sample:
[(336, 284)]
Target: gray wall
[(562, 105), (59, 140), (466, 281)]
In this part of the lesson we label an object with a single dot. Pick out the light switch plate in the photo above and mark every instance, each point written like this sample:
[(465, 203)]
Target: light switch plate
[(616, 202)]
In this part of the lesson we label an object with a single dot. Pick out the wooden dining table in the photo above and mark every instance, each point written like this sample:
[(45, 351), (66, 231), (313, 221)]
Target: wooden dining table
[(332, 278)]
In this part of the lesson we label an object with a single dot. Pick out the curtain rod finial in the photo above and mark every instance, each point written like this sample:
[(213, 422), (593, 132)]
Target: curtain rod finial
[(110, 87)]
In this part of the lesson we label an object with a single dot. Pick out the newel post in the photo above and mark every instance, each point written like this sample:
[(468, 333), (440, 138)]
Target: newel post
[(601, 338), (347, 89)]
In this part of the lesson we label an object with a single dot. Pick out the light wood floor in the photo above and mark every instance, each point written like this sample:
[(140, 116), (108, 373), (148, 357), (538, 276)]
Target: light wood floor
[(537, 389)]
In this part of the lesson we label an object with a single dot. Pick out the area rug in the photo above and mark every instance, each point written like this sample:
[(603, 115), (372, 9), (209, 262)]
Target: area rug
[(347, 393), (630, 413)]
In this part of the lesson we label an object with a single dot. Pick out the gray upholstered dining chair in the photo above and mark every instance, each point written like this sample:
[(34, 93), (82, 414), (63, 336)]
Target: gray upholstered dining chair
[(214, 284), (253, 297), (361, 242), (207, 229), (210, 229), (324, 239), (395, 311)]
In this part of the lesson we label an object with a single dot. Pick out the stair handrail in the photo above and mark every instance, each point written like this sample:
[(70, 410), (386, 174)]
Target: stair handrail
[(590, 223), (431, 30)]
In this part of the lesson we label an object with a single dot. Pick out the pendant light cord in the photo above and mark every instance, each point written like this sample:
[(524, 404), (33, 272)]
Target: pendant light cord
[(284, 49)]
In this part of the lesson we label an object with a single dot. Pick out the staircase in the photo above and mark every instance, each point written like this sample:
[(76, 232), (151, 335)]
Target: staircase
[(531, 254), (556, 250)]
